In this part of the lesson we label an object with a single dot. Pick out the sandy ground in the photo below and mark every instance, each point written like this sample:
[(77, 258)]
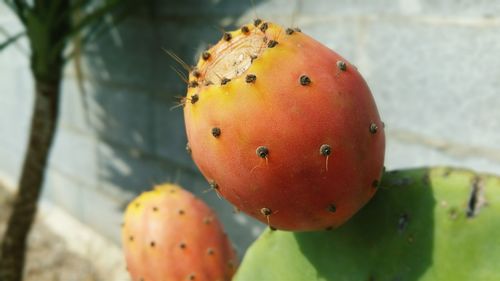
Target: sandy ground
[(48, 258)]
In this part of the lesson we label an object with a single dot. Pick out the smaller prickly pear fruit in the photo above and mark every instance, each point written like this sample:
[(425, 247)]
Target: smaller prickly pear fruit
[(169, 234)]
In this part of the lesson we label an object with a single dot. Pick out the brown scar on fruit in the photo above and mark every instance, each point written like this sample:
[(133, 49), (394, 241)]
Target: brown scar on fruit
[(373, 128), (227, 36), (257, 22), (289, 31), (232, 58)]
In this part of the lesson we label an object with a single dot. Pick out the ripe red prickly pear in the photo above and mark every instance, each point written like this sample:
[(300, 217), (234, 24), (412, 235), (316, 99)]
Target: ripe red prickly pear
[(169, 234), (285, 129)]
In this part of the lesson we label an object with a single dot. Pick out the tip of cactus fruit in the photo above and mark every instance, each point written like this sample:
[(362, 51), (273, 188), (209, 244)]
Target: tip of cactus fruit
[(235, 52)]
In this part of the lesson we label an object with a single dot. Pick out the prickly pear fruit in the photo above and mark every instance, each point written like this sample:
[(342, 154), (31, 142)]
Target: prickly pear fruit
[(284, 128), (423, 224), (169, 234)]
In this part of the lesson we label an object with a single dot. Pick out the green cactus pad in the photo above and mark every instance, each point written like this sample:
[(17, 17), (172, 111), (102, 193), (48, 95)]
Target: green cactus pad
[(423, 224)]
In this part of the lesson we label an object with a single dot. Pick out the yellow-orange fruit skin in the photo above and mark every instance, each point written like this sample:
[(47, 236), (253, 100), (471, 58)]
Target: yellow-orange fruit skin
[(294, 181), (168, 234)]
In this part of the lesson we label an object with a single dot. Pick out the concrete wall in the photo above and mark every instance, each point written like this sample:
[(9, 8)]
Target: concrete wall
[(433, 67)]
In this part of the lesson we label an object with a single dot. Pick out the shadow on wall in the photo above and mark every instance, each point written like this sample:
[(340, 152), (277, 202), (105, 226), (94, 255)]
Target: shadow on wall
[(141, 138)]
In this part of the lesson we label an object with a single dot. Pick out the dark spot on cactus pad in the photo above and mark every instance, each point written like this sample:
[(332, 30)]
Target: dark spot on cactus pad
[(297, 29), (210, 251), (262, 151), (264, 27), (191, 276), (188, 148), (216, 132), (272, 44), (194, 98), (155, 209), (289, 31), (224, 81), (453, 213), (325, 150), (193, 84), (403, 222), (410, 239), (304, 80), (257, 22), (196, 73), (205, 55), (265, 211), (152, 244), (213, 184), (375, 184), (475, 200), (331, 208), (250, 78), (182, 245), (227, 36), (341, 65), (373, 128), (447, 172), (245, 29)]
